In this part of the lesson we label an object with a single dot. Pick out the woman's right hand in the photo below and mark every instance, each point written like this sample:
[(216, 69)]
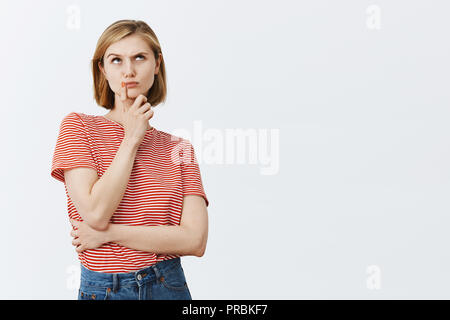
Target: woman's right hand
[(135, 116)]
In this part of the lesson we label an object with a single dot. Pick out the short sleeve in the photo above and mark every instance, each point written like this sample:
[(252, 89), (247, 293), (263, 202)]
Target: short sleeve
[(190, 172), (72, 147)]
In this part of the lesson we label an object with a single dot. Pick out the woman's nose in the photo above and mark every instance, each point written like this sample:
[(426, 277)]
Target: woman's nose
[(128, 68)]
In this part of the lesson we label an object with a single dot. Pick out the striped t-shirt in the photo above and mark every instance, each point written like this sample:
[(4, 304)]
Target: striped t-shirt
[(165, 169)]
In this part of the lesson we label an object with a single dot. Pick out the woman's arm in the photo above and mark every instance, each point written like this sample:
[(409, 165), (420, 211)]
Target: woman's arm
[(96, 199), (188, 238), (156, 239)]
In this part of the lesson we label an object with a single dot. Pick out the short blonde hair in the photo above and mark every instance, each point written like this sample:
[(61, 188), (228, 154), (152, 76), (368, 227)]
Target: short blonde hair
[(103, 94)]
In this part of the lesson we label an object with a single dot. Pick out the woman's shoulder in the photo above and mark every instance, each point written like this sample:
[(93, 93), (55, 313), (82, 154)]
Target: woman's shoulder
[(85, 119), (75, 115), (82, 115), (72, 119), (176, 143), (171, 138)]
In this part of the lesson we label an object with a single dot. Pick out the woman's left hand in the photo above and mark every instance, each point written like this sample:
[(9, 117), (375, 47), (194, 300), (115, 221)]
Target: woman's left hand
[(86, 237)]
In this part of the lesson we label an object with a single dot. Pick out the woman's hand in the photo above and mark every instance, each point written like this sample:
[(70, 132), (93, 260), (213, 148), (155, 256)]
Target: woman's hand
[(86, 237), (136, 116)]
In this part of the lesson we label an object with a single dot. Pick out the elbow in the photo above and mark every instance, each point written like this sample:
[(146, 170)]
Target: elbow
[(97, 224), (195, 241), (200, 248), (200, 252), (201, 244), (100, 225), (93, 219)]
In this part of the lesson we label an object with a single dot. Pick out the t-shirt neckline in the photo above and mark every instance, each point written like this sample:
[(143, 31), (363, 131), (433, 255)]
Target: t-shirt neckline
[(121, 126)]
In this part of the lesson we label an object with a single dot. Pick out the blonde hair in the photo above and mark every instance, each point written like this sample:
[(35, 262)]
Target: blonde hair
[(103, 94)]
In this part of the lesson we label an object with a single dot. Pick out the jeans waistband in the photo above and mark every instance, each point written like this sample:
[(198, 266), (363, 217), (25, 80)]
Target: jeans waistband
[(115, 280)]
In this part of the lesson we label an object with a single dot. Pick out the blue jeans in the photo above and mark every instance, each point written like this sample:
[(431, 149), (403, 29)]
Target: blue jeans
[(164, 280)]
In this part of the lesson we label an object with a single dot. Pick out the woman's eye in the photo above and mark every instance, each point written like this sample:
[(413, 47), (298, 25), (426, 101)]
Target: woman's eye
[(112, 60)]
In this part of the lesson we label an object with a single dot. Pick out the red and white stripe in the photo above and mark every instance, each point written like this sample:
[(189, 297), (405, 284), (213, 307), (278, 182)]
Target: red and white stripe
[(165, 169)]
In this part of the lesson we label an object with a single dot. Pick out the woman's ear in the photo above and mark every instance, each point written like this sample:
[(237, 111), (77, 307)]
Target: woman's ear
[(158, 63), (101, 69)]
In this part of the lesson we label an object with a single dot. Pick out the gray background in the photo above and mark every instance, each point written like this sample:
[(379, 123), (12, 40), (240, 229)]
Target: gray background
[(359, 206)]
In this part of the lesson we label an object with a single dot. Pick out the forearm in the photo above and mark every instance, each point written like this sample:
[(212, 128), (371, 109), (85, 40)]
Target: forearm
[(156, 239), (108, 191)]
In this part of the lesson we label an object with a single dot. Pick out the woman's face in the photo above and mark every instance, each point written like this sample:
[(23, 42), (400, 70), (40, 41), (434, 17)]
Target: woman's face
[(130, 59)]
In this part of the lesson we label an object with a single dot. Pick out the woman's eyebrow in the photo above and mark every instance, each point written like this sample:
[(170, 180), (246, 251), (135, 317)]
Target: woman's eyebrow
[(139, 53)]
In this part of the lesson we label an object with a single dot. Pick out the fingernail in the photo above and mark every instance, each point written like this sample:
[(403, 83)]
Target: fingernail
[(123, 84)]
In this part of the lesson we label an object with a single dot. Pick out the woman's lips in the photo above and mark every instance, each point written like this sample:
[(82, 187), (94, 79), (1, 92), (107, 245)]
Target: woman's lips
[(131, 84)]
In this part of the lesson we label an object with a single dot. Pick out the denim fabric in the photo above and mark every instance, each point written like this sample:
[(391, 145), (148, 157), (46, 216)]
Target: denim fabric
[(164, 280)]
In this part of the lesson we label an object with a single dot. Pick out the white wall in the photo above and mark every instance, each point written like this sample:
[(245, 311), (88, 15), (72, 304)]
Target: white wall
[(356, 95)]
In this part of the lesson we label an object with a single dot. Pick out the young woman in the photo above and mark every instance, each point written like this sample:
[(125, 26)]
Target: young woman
[(135, 194)]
